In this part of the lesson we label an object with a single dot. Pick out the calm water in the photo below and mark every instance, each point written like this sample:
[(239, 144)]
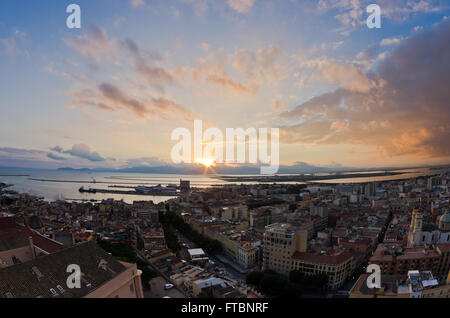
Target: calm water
[(58, 189), (52, 190)]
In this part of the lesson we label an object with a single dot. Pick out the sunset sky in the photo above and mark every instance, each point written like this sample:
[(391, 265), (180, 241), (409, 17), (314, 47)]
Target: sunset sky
[(110, 94)]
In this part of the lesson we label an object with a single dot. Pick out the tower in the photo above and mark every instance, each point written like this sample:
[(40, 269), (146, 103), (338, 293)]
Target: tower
[(415, 229)]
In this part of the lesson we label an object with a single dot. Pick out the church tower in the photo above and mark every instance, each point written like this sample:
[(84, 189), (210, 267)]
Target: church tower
[(415, 229)]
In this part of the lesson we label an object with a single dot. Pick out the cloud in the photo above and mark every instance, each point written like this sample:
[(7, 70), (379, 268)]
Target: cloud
[(111, 98), (332, 46), (241, 72), (157, 77), (12, 43), (137, 3), (241, 6), (278, 105), (83, 151), (55, 157), (94, 45), (347, 76), (213, 70), (352, 13), (390, 41), (57, 149), (81, 156), (146, 161), (16, 157), (226, 81), (404, 113), (261, 65), (200, 7)]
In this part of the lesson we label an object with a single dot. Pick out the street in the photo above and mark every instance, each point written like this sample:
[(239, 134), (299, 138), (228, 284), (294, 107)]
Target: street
[(157, 289), (230, 272)]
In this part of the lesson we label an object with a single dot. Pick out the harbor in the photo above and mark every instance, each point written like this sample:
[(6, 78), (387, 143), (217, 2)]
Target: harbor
[(159, 190)]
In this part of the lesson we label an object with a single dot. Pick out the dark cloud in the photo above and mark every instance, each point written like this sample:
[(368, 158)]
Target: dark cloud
[(112, 97), (55, 157), (57, 149), (79, 150), (84, 151)]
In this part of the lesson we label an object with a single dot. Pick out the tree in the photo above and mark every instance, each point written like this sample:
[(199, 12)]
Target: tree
[(296, 276), (292, 291), (316, 281), (272, 285), (254, 278), (204, 294)]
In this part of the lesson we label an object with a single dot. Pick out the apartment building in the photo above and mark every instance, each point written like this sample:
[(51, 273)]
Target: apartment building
[(239, 246), (394, 259), (416, 284), (337, 266), (281, 241)]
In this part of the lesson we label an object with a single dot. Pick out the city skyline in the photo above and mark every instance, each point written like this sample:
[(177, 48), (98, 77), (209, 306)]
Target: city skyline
[(109, 95)]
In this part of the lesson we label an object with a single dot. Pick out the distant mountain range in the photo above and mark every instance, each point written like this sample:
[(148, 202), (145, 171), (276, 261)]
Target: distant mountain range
[(297, 168), (186, 169)]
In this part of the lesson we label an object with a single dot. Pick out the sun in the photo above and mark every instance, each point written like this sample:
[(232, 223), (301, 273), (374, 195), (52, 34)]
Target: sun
[(207, 162)]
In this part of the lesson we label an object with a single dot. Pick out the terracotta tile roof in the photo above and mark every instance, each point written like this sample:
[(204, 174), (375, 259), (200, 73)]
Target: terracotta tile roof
[(7, 222), (46, 244), (444, 247), (10, 229)]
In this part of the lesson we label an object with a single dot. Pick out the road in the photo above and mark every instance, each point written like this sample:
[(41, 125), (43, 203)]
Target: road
[(158, 283), (230, 272), (158, 291)]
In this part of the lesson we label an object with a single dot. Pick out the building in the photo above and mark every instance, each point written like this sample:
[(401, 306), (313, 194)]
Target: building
[(444, 222), (416, 284), (185, 185), (240, 246), (19, 243), (421, 234), (337, 266), (248, 254), (184, 275), (394, 259), (206, 285), (444, 262), (264, 216), (197, 255), (102, 276), (281, 241)]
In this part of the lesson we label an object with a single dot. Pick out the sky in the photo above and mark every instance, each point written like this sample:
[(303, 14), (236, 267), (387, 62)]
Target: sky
[(110, 93)]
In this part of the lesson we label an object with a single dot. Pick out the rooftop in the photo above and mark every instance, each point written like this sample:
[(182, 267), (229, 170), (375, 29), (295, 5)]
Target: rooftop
[(46, 276)]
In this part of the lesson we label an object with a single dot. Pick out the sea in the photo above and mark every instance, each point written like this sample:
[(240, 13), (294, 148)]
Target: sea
[(52, 185)]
